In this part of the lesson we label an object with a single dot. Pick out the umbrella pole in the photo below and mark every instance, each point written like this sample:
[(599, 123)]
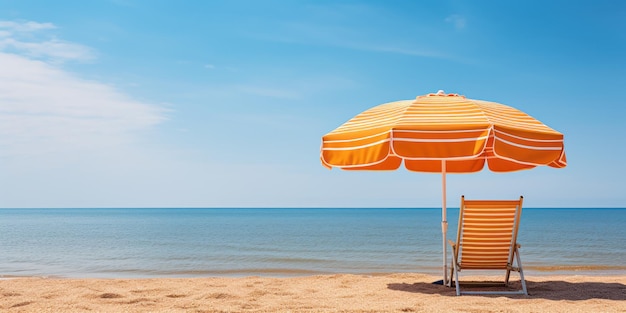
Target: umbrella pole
[(444, 221)]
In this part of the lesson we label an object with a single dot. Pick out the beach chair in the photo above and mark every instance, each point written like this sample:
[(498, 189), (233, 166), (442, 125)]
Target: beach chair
[(487, 240)]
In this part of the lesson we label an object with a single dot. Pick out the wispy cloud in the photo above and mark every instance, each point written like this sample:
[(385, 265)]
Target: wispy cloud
[(44, 108), (33, 39), (263, 91), (399, 49), (27, 26), (123, 3), (458, 21), (340, 26), (335, 38)]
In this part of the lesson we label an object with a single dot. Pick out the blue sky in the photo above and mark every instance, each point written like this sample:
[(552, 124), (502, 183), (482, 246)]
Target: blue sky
[(129, 103)]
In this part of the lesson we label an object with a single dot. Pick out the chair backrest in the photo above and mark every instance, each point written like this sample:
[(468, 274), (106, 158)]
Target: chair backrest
[(487, 233)]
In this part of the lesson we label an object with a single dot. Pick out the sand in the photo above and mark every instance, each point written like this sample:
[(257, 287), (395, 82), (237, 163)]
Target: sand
[(324, 293)]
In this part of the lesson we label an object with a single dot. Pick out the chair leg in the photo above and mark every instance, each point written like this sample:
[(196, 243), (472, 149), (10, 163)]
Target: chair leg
[(508, 271), (451, 272), (458, 286), (521, 271), (506, 278), (456, 276)]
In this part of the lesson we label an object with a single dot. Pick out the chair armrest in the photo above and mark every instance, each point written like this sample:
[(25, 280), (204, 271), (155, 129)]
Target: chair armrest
[(452, 243)]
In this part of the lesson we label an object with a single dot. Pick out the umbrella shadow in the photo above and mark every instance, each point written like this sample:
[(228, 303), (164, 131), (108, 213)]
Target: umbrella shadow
[(551, 290)]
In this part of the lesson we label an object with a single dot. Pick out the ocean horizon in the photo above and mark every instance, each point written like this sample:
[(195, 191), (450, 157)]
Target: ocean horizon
[(199, 242)]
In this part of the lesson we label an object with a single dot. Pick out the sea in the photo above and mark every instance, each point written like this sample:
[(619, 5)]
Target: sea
[(282, 242)]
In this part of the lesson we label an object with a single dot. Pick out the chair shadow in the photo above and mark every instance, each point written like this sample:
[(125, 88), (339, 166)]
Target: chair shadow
[(551, 290)]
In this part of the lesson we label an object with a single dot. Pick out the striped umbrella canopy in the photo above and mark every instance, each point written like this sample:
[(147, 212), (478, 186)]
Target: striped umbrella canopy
[(443, 133)]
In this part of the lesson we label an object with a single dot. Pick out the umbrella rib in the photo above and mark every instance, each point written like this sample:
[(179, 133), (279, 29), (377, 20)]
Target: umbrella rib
[(497, 156), (442, 140), (528, 147), (357, 139), (364, 164), (440, 131), (461, 158), (526, 138), (357, 147)]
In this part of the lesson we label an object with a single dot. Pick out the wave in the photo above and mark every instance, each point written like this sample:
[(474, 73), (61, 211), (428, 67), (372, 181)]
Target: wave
[(575, 268), (221, 272)]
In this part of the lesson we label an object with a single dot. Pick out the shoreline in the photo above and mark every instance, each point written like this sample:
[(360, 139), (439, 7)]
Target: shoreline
[(397, 292), (536, 271)]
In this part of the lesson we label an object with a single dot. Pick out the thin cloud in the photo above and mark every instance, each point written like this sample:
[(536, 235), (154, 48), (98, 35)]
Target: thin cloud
[(52, 49), (123, 3), (44, 109), (270, 92), (338, 31), (332, 38), (34, 40), (458, 21), (24, 27), (400, 50)]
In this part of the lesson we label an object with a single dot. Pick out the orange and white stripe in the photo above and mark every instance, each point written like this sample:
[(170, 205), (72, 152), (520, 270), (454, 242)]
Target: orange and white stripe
[(423, 132)]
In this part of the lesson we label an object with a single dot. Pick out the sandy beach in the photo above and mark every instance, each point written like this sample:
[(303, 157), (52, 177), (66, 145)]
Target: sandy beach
[(323, 293)]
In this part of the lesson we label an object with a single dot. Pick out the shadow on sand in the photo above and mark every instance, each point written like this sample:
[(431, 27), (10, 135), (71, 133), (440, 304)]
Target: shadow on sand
[(551, 290)]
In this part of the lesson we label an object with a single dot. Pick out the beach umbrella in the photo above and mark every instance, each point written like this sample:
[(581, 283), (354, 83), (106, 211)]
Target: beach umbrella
[(443, 133)]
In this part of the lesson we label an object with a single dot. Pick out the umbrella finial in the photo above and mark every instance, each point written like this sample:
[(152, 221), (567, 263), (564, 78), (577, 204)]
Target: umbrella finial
[(441, 92)]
